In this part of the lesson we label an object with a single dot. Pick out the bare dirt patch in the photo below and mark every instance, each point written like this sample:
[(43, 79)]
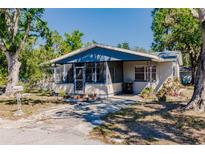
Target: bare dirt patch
[(33, 103), (151, 122)]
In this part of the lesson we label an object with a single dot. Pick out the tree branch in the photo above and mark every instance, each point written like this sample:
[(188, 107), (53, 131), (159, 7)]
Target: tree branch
[(8, 20), (25, 37), (15, 27), (199, 14), (195, 13)]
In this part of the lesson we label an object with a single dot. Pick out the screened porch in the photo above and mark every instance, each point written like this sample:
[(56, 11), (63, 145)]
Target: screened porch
[(100, 75)]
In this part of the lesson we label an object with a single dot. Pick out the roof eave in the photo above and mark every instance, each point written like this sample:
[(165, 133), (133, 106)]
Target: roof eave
[(78, 51)]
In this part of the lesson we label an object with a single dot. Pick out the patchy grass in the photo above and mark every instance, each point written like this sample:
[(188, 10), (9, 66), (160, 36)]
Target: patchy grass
[(154, 123), (30, 104)]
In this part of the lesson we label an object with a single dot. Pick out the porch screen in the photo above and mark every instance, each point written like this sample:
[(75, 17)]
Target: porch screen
[(100, 75), (58, 74), (95, 72), (90, 72), (115, 72), (70, 74)]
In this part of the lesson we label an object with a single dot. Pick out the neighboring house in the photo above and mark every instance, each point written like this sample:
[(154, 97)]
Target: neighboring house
[(102, 70), (186, 75)]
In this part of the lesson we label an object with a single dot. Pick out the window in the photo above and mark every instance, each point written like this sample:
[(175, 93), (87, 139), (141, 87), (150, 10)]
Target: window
[(140, 73), (145, 73), (90, 72)]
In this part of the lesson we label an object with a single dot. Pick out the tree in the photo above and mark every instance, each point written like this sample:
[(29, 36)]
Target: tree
[(63, 45), (177, 29), (57, 44), (140, 49), (124, 45), (90, 43), (198, 98), (16, 27), (74, 40), (31, 58)]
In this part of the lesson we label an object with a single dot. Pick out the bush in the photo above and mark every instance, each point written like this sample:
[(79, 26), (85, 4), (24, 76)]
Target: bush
[(147, 92), (3, 80), (170, 88), (62, 93)]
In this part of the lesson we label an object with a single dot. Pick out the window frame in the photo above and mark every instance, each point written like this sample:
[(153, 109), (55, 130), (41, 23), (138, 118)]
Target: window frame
[(144, 73), (148, 72)]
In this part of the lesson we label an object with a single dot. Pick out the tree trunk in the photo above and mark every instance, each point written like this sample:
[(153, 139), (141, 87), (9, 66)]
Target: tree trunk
[(13, 72), (198, 98), (193, 66)]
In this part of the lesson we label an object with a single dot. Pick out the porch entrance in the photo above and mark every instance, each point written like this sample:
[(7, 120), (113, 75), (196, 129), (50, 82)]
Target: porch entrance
[(79, 80)]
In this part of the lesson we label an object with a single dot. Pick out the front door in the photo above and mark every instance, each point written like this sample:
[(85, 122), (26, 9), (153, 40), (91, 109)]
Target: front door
[(79, 79)]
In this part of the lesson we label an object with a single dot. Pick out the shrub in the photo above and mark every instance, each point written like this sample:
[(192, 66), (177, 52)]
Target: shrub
[(170, 88), (147, 92), (62, 93), (3, 80)]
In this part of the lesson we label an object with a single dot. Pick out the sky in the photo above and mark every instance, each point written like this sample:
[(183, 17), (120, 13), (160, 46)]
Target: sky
[(106, 26)]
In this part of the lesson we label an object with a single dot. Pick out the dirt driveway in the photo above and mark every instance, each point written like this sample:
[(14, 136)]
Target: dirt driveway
[(62, 124), (44, 128)]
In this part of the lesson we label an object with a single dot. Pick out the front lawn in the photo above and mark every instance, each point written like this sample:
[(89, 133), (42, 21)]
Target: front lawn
[(31, 104), (153, 123)]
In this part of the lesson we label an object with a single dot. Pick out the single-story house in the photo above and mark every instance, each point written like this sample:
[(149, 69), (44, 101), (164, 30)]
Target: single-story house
[(102, 70)]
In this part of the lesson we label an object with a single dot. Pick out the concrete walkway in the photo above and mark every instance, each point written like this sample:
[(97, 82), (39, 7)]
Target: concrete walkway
[(63, 124)]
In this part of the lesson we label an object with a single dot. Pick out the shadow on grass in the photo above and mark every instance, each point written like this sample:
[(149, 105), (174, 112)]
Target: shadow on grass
[(27, 101), (86, 112), (141, 126)]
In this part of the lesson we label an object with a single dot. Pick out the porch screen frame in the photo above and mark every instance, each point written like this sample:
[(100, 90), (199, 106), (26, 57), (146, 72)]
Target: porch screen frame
[(94, 73)]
